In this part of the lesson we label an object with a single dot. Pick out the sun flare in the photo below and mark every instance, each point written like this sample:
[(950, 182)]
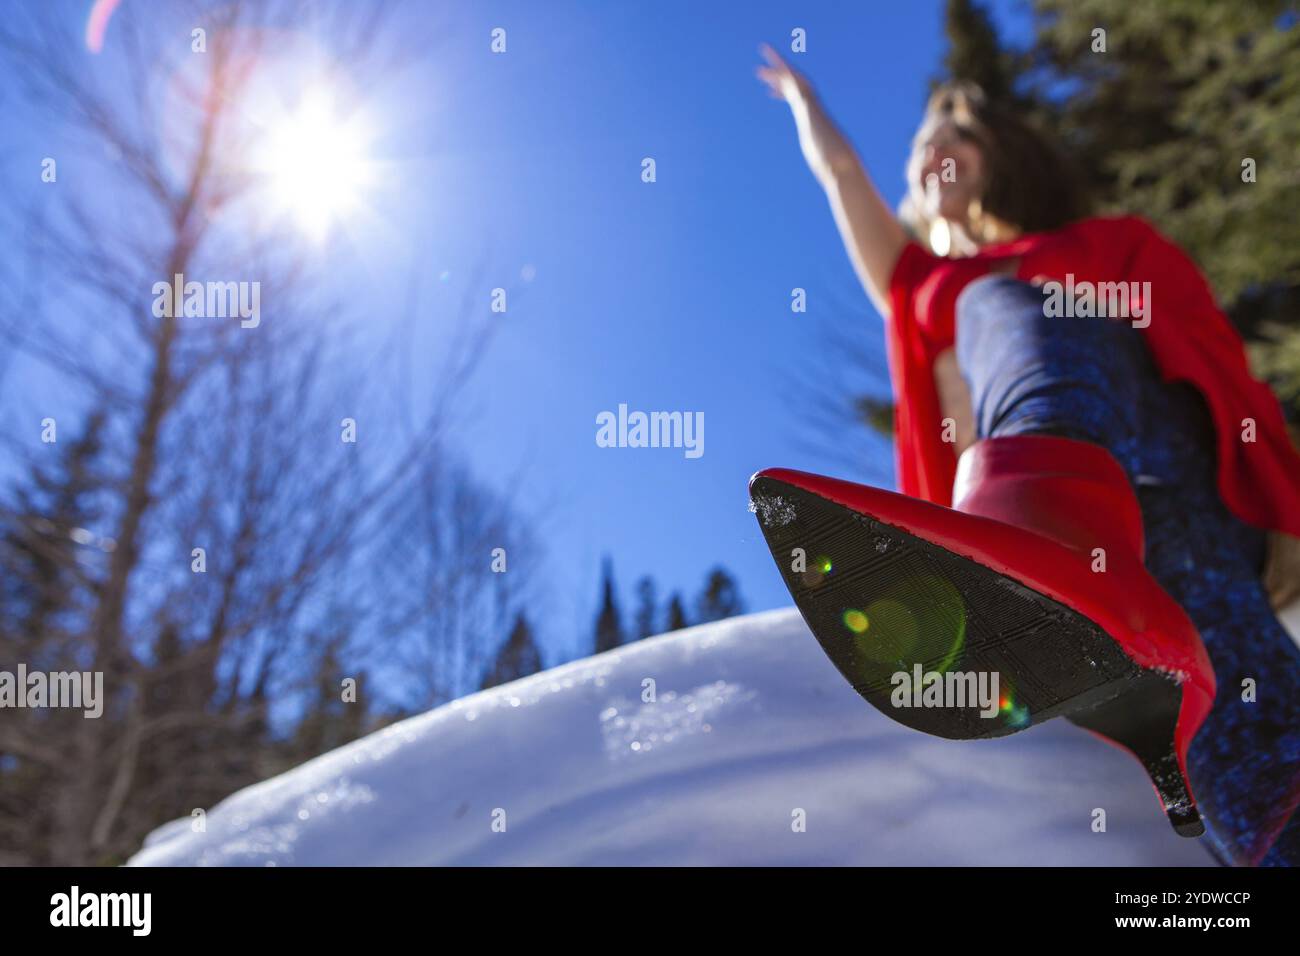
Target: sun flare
[(316, 164)]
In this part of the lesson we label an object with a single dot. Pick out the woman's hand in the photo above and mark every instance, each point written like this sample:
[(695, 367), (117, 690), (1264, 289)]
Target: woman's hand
[(823, 146), (784, 82)]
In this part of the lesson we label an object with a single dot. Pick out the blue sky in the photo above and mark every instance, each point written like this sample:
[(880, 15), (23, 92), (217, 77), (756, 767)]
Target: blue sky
[(665, 296), (673, 295)]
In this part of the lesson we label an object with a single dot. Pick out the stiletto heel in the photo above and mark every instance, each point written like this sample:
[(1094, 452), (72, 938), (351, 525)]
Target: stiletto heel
[(1015, 588), (1144, 722)]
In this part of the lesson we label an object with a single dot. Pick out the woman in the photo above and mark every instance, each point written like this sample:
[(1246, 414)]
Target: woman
[(1088, 474)]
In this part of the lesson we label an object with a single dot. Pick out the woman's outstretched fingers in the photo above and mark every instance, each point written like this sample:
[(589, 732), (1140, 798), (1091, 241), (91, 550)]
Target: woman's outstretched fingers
[(768, 52), (773, 81), (782, 80)]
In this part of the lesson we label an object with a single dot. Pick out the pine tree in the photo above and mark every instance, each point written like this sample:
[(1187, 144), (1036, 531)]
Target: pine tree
[(1185, 111), (330, 721), (974, 53), (646, 611), (676, 614), (609, 623), (719, 599), (517, 658), (47, 546)]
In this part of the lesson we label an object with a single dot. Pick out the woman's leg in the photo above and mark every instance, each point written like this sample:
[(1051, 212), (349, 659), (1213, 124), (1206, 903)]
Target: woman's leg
[(1248, 751), (1029, 374), (1093, 380)]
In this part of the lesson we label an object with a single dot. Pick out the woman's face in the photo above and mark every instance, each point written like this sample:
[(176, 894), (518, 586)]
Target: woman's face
[(946, 171)]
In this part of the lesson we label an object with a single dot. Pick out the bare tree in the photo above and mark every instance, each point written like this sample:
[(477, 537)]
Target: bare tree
[(232, 529), (456, 562)]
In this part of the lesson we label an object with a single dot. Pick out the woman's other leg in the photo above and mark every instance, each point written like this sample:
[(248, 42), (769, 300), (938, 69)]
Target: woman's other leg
[(1245, 761)]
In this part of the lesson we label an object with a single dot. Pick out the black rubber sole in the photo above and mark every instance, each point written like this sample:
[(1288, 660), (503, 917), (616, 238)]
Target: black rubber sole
[(882, 602)]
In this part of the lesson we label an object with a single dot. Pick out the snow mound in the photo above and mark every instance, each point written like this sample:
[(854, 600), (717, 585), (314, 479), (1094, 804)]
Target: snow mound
[(749, 725)]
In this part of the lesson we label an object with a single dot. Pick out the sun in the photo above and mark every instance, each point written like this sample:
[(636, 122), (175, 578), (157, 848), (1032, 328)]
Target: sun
[(316, 164)]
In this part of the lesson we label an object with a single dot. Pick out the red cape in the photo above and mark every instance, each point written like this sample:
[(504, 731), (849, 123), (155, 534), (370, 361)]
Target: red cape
[(1190, 339)]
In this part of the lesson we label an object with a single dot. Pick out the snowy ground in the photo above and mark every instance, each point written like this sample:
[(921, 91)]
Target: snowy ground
[(751, 723)]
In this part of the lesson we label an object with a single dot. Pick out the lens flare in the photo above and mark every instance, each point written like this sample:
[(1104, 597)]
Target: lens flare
[(1013, 713), (856, 621), (920, 619), (814, 576), (97, 24), (895, 634)]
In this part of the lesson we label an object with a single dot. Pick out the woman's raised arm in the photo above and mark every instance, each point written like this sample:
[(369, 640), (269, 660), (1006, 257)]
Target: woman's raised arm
[(872, 236)]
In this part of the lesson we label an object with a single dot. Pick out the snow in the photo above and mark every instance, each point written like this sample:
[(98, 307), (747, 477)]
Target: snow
[(750, 723)]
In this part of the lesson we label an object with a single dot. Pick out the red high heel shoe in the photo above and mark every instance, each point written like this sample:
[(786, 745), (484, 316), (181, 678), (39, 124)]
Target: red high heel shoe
[(1035, 575)]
